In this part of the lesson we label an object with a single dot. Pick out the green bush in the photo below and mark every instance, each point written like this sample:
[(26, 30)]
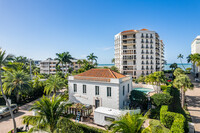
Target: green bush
[(174, 121), (88, 129), (155, 113), (160, 99), (138, 97), (163, 87), (178, 124)]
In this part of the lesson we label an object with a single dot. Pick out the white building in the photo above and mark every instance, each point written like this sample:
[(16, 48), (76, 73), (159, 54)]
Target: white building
[(195, 48), (138, 52), (49, 66), (100, 87)]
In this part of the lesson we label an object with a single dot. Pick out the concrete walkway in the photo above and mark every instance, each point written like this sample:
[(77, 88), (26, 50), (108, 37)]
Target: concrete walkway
[(193, 102)]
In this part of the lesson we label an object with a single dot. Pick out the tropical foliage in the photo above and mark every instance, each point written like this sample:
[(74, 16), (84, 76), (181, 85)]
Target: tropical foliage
[(129, 123), (48, 115), (17, 83), (53, 84)]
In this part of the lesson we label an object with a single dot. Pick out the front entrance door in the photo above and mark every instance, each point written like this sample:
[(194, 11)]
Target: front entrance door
[(96, 103)]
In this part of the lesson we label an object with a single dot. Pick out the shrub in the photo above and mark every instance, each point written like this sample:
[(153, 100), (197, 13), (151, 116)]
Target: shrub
[(163, 87), (174, 121), (138, 97), (155, 113), (160, 99), (88, 129)]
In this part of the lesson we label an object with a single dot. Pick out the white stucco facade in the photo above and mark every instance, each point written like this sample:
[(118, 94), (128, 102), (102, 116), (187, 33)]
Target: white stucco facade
[(139, 52), (195, 48), (117, 100)]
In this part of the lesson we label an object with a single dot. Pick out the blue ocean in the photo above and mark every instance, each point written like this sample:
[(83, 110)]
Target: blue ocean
[(166, 67)]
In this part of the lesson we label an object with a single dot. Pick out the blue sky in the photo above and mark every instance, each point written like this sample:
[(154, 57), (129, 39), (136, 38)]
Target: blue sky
[(40, 28)]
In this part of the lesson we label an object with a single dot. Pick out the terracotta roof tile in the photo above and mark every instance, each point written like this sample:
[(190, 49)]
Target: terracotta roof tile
[(101, 73), (144, 29), (129, 31)]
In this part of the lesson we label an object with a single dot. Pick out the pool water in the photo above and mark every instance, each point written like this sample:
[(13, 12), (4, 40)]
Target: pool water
[(145, 90)]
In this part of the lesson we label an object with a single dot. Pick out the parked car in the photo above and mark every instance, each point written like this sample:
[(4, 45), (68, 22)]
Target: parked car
[(4, 111), (196, 79)]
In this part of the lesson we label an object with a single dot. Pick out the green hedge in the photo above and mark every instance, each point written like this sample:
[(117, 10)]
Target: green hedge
[(88, 129), (160, 99), (163, 87), (174, 121)]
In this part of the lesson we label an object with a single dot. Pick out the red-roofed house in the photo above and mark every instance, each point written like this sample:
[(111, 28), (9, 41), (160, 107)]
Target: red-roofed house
[(100, 87)]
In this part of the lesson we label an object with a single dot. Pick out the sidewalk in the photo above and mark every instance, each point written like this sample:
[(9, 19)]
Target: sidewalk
[(193, 102)]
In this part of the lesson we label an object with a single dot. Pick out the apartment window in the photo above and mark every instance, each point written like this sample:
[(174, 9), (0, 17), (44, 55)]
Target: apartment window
[(96, 90), (123, 90), (75, 87), (128, 86), (108, 91), (84, 88), (134, 72)]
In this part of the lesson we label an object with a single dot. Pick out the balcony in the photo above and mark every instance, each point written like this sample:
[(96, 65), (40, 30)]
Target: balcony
[(151, 52), (151, 47), (142, 58)]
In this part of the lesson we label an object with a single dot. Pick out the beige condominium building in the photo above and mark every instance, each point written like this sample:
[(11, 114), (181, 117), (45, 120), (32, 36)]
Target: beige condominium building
[(49, 66), (195, 48), (138, 52)]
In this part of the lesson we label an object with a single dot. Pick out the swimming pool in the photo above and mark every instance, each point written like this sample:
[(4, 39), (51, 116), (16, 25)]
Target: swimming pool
[(145, 90)]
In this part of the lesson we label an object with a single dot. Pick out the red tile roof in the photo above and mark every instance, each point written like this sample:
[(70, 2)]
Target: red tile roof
[(128, 31), (144, 29), (101, 73)]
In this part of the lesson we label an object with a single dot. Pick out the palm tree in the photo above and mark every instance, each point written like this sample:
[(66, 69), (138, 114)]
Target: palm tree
[(16, 82), (180, 56), (64, 58), (183, 83), (3, 62), (173, 66), (48, 115), (53, 84), (113, 60), (178, 72), (92, 57), (67, 59), (60, 59), (129, 123)]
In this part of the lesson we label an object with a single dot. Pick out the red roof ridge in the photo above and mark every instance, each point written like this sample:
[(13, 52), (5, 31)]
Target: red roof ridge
[(112, 73), (101, 73)]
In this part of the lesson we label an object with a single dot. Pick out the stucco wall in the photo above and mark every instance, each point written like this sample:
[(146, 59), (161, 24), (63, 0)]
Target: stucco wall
[(89, 97)]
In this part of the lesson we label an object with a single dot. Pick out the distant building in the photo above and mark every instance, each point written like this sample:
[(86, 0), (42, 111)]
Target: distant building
[(195, 48), (37, 63), (100, 88), (139, 52), (49, 66)]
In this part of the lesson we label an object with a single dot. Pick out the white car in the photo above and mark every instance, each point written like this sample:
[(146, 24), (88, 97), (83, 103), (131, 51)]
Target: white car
[(196, 79)]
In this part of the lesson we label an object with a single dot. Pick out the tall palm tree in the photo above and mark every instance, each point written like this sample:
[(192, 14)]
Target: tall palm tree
[(180, 56), (92, 57), (129, 123), (60, 59), (48, 115), (67, 59), (53, 84), (183, 83), (64, 58), (16, 82), (4, 59)]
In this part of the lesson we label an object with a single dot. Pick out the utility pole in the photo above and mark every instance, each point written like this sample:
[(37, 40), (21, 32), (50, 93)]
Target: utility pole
[(30, 70)]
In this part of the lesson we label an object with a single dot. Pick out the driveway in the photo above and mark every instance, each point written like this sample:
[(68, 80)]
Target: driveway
[(6, 123), (193, 102)]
